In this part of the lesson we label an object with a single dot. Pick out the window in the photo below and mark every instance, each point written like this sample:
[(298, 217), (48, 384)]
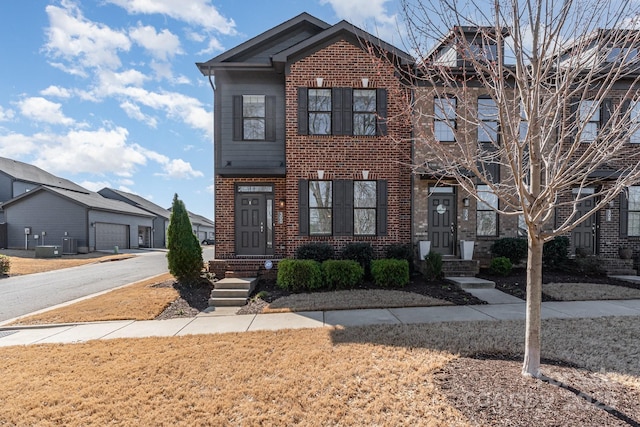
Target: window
[(320, 208), (589, 117), (633, 212), (622, 55), (319, 111), (364, 208), (253, 117), (364, 112), (444, 119), (487, 121), (484, 51), (486, 217), (634, 122)]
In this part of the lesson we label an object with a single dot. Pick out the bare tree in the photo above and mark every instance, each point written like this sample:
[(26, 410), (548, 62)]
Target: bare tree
[(543, 95)]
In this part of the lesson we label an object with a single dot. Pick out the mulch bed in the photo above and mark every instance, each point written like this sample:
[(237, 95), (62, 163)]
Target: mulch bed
[(192, 300)]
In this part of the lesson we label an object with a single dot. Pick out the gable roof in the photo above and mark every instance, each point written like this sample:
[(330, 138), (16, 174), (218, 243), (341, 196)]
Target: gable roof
[(200, 220), (28, 173), (316, 35), (137, 201), (89, 200)]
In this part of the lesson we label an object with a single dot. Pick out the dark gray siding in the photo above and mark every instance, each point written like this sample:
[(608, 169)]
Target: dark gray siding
[(21, 187), (5, 188), (263, 54), (159, 232), (132, 221), (252, 155), (45, 212)]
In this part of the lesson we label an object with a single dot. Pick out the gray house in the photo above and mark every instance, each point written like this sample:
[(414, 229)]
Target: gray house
[(203, 227), (156, 237), (85, 220)]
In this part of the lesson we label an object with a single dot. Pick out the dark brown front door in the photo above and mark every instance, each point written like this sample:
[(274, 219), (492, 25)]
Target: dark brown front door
[(251, 224), (584, 235), (442, 222)]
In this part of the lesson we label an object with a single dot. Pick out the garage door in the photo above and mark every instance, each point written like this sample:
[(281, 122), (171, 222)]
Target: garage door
[(110, 235)]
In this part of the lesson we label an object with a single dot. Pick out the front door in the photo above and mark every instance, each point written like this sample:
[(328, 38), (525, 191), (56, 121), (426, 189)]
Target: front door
[(584, 235), (442, 220), (254, 224)]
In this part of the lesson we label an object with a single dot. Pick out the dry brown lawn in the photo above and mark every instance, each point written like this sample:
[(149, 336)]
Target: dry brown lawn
[(25, 262), (413, 375), (351, 299), (588, 291), (143, 300)]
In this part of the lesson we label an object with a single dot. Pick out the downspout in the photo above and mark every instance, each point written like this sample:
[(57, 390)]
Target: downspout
[(213, 138)]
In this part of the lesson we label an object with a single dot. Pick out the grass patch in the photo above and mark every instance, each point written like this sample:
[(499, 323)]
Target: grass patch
[(25, 262), (351, 299), (142, 300), (374, 375), (588, 291)]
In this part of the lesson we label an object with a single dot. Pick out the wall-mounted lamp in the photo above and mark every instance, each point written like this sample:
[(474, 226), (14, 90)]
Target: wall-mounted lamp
[(465, 201), (611, 203), (320, 174), (365, 175), (93, 224), (319, 81), (365, 82), (281, 203)]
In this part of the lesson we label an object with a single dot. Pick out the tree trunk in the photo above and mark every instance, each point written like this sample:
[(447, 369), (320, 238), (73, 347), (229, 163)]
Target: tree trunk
[(531, 366)]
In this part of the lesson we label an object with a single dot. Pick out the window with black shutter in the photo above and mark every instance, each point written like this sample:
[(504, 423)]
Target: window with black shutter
[(254, 118)]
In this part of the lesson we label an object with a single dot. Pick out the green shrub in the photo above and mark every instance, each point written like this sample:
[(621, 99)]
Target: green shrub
[(401, 251), (185, 253), (342, 274), (556, 252), (389, 273), (362, 253), (5, 264), (513, 248), (433, 266), (299, 274), (316, 251), (501, 266)]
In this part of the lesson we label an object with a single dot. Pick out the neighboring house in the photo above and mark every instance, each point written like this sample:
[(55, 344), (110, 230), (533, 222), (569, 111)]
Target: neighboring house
[(17, 178), (203, 228), (47, 215), (311, 141), (155, 237)]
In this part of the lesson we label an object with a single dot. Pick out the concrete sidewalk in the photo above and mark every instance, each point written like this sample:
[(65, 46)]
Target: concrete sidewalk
[(224, 320)]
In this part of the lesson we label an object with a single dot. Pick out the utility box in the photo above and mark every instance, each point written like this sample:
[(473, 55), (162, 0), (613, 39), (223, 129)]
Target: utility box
[(69, 246), (48, 251)]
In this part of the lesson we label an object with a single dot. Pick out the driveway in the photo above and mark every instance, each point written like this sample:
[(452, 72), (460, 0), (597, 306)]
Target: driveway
[(25, 294)]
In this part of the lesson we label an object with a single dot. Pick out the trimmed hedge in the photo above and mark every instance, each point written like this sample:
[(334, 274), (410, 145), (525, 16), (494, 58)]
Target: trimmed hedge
[(5, 264), (433, 266), (360, 252), (299, 274), (342, 274), (556, 252), (316, 251), (401, 251), (390, 272), (501, 266), (510, 247)]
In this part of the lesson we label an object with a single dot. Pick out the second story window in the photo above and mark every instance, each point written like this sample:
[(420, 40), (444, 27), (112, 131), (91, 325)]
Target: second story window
[(319, 110), (589, 117), (444, 119), (634, 122), (364, 112), (487, 121), (253, 117)]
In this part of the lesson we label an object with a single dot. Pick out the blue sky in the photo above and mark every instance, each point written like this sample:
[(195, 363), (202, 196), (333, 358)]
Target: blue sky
[(106, 92)]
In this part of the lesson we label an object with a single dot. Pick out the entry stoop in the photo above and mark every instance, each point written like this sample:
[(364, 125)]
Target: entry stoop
[(471, 282), (232, 291)]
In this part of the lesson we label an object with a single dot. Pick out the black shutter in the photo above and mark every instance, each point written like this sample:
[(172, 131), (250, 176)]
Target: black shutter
[(624, 109), (347, 111), (237, 118), (303, 113), (574, 117), (624, 214), (348, 208), (381, 220), (270, 118), (381, 108), (605, 115), (303, 207), (336, 111), (338, 207)]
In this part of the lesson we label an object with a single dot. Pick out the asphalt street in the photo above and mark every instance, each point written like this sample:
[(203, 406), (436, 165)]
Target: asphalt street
[(25, 294)]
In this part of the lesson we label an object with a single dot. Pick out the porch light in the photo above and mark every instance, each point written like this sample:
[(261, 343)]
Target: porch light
[(365, 175), (320, 174), (365, 82), (282, 203), (319, 81), (465, 201)]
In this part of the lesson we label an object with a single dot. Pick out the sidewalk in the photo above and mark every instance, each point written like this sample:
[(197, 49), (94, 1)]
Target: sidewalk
[(224, 320)]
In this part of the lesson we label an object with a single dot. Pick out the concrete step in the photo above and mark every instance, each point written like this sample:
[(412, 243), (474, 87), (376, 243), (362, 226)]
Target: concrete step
[(227, 302), (230, 293), (471, 282), (236, 283)]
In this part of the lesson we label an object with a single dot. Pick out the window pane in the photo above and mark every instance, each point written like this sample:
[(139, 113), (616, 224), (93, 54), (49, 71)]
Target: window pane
[(320, 222), (253, 105), (444, 108), (487, 109), (589, 111), (488, 132), (634, 198), (364, 100), (364, 124), (254, 129), (634, 119), (364, 194), (444, 131), (319, 100), (364, 221), (320, 194), (486, 223), (488, 120), (589, 132), (320, 123)]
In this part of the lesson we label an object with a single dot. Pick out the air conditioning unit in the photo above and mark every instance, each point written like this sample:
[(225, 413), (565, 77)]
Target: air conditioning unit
[(69, 246)]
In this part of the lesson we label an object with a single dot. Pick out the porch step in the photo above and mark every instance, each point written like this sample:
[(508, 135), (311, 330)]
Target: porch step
[(232, 291), (470, 282)]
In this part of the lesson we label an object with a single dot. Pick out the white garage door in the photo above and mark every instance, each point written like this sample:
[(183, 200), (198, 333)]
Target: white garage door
[(110, 235)]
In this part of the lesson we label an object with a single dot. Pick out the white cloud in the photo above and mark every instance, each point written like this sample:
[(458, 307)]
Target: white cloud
[(43, 110), (80, 41), (370, 15), (126, 182), (6, 114), (95, 185), (134, 112), (56, 91), (179, 169), (195, 12), (162, 45), (15, 145), (213, 46)]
